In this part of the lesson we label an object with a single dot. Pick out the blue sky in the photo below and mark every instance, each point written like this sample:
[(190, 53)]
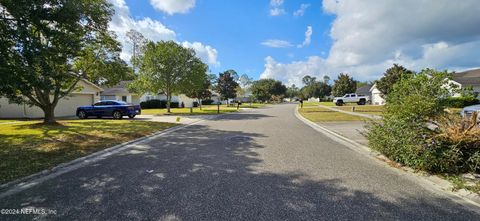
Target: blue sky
[(273, 39), (236, 30)]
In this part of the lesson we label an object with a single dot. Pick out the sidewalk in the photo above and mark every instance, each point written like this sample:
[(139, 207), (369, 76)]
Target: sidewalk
[(352, 130)]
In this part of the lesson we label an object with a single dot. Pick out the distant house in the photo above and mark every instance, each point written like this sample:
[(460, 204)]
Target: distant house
[(364, 90), (470, 78), (88, 94), (180, 98), (376, 96), (120, 92)]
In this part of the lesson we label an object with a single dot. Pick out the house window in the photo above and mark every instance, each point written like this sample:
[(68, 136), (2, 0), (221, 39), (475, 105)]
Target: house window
[(124, 98)]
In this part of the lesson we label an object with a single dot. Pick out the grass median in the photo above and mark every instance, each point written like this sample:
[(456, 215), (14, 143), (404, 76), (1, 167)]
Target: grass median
[(320, 114), (206, 110), (316, 103), (364, 109), (29, 147)]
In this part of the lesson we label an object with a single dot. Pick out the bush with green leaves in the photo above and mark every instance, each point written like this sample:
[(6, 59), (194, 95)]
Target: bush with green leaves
[(460, 102), (411, 131), (151, 104)]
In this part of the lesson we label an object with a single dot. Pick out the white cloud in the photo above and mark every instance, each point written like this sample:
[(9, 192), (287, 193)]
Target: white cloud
[(173, 6), (301, 10), (308, 37), (276, 8), (369, 36), (204, 52), (153, 30), (276, 43)]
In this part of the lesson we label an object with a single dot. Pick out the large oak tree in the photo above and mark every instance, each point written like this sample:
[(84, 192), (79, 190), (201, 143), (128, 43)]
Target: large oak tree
[(47, 46)]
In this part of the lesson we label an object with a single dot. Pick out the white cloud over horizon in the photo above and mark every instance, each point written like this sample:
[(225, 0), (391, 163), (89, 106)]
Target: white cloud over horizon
[(173, 6), (153, 30), (369, 36), (277, 43)]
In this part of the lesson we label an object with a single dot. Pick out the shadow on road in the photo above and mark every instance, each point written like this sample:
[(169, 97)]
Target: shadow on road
[(206, 174)]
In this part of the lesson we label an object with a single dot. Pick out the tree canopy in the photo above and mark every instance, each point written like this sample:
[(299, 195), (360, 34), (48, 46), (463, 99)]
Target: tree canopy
[(227, 84), (267, 89), (390, 77), (314, 88), (292, 91), (46, 48), (170, 68), (344, 84)]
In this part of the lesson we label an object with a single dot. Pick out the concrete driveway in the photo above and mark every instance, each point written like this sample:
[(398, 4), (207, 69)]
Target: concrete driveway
[(258, 165)]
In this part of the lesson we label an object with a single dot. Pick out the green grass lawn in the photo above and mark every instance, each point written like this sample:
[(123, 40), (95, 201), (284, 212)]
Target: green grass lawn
[(206, 110), (254, 105), (29, 147), (316, 103), (319, 114), (7, 120), (364, 109)]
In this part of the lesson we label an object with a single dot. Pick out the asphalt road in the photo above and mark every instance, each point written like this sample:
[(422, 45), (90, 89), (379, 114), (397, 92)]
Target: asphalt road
[(256, 165)]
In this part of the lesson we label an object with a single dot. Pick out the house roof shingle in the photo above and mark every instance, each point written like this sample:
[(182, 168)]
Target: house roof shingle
[(468, 78), (364, 90), (120, 88)]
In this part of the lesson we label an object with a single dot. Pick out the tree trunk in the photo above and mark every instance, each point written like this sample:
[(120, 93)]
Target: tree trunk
[(169, 97), (49, 114), (200, 103)]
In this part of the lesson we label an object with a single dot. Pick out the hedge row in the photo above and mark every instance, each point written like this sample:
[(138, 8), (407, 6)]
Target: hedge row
[(459, 102), (157, 104)]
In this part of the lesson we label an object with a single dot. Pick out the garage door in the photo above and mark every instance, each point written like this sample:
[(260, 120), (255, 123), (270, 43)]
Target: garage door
[(68, 105)]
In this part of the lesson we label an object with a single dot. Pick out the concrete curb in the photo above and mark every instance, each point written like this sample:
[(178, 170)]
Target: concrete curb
[(431, 182), (27, 182)]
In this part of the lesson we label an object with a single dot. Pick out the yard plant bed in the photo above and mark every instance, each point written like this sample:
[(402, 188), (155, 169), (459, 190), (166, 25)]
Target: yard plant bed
[(29, 147), (319, 114)]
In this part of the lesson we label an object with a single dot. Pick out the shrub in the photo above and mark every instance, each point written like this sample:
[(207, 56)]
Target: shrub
[(150, 104), (207, 102), (460, 102), (415, 131)]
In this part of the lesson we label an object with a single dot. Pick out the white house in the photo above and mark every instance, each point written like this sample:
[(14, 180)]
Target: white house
[(88, 94), (120, 92), (376, 96), (470, 78)]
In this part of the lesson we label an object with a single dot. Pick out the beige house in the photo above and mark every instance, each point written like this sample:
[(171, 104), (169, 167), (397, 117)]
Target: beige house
[(120, 92), (88, 94)]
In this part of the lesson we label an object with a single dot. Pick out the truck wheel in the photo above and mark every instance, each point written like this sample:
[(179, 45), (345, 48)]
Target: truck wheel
[(339, 103), (82, 115), (131, 116), (117, 115), (361, 102)]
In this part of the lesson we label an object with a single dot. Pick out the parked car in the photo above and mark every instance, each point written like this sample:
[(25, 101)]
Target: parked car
[(115, 109), (468, 111), (351, 98)]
